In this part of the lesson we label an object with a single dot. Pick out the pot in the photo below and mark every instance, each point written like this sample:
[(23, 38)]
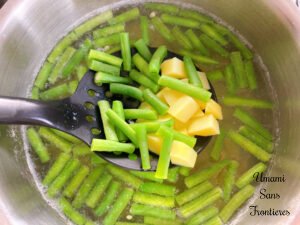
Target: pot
[(30, 28)]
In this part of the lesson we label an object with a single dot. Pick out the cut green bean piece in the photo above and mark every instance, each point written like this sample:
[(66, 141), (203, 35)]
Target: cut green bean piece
[(107, 41), (162, 29), (73, 86), (155, 102), (195, 15), (214, 221), (118, 207), (105, 78), (191, 90), (105, 57), (247, 54), (143, 66), (158, 221), (157, 58), (248, 176), (81, 70), (143, 80), (236, 202), (71, 213), (35, 93), (126, 90), (125, 51), (191, 71), (193, 193), (125, 176), (238, 66), (98, 190), (109, 30), (215, 153), (66, 136), (101, 145), (81, 149), (37, 145), (249, 70), (213, 45), (144, 26), (173, 175), (215, 75), (146, 175), (108, 199), (124, 17), (89, 222), (154, 200), (200, 203), (247, 102), (143, 49), (42, 77), (220, 28), (76, 181), (145, 210), (97, 160), (249, 146), (198, 58), (157, 188), (213, 33), (250, 121), (197, 44), (180, 21), (109, 130), (141, 135), (205, 174), (63, 177), (55, 140), (55, 169), (128, 223), (172, 9), (86, 187), (184, 171), (57, 92), (182, 39), (203, 216), (105, 68), (152, 127), (117, 107), (113, 49), (230, 79), (229, 179)]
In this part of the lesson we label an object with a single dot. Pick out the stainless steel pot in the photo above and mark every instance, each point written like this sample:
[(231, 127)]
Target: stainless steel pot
[(30, 28)]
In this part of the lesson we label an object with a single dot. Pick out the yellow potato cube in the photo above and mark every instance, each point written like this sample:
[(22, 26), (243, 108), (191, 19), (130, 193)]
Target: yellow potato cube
[(145, 105), (201, 104), (154, 143), (160, 95), (204, 126), (184, 108), (184, 131), (179, 125), (171, 96), (173, 67), (182, 154), (214, 109), (204, 80), (198, 114)]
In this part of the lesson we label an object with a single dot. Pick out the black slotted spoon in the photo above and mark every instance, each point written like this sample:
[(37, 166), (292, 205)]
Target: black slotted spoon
[(71, 115)]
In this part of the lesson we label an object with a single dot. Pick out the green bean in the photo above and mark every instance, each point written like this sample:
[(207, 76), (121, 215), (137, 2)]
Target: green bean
[(125, 51), (197, 44), (247, 102), (56, 72), (221, 29), (104, 78), (180, 21), (35, 93), (250, 121), (248, 176), (215, 153), (108, 199), (143, 80), (157, 188), (173, 175), (158, 221), (109, 130), (118, 207), (249, 146), (101, 145), (172, 9), (155, 102), (164, 156), (55, 140), (56, 92), (204, 174), (86, 187), (200, 203), (81, 71), (103, 67), (145, 210), (107, 41), (122, 125), (98, 190), (214, 221), (66, 136), (230, 78), (43, 75), (213, 33), (215, 75), (203, 216), (184, 171), (144, 26), (236, 202), (73, 86), (213, 45), (143, 66), (97, 160), (198, 58), (162, 29), (89, 222), (81, 149), (191, 90), (55, 169), (125, 176), (124, 17), (128, 223), (249, 70), (153, 126), (76, 181), (109, 30), (229, 179), (141, 134), (105, 57), (117, 107), (157, 58), (239, 71), (181, 39), (146, 175), (63, 177), (71, 213), (193, 193), (113, 49), (153, 200), (247, 54), (191, 71), (126, 90), (195, 15), (143, 50), (37, 145)]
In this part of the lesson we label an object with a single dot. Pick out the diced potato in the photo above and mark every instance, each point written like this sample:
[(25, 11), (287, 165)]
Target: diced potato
[(154, 143), (214, 108), (145, 105), (160, 95), (184, 108), (198, 114), (204, 126), (201, 104), (171, 96), (174, 68), (179, 125), (182, 154), (184, 131), (204, 80)]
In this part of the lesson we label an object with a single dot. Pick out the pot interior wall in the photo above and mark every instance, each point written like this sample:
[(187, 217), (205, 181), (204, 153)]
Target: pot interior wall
[(30, 28)]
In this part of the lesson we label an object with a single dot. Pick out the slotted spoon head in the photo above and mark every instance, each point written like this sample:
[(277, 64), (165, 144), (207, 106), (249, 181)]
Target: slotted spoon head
[(83, 116)]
